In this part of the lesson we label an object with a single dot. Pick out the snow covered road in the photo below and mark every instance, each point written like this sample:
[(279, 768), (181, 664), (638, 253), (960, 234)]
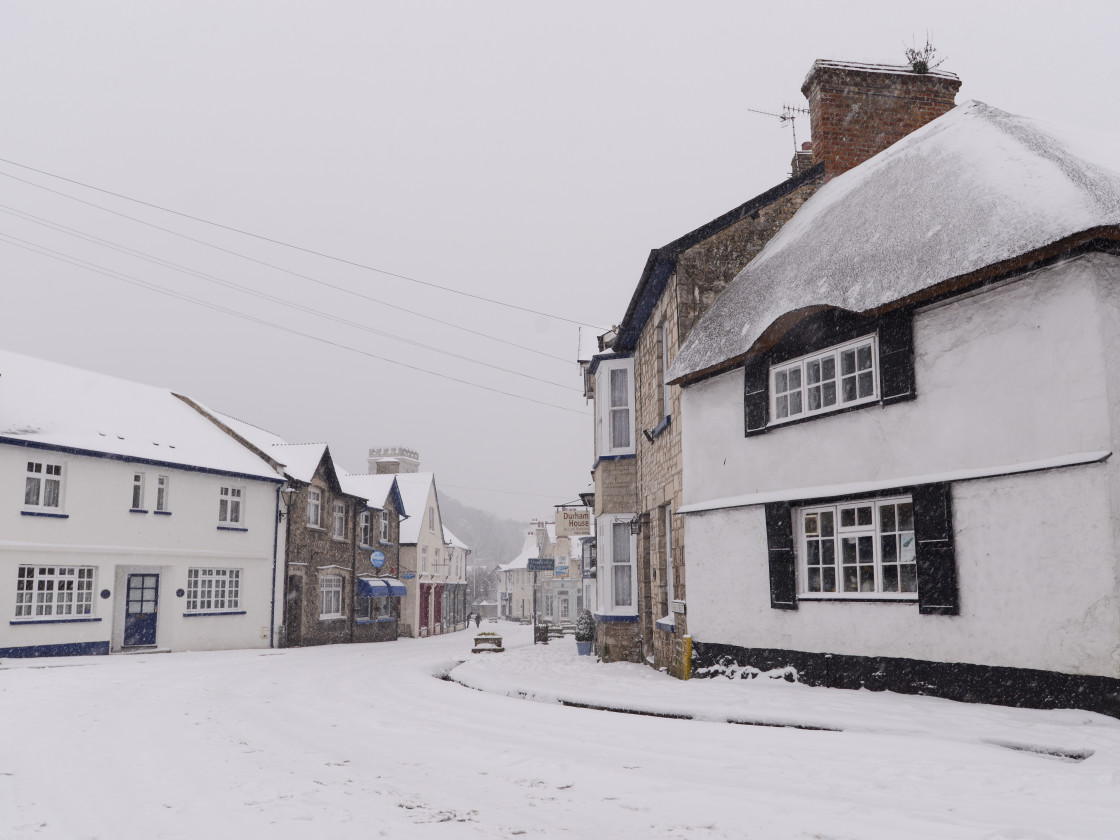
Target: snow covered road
[(364, 741)]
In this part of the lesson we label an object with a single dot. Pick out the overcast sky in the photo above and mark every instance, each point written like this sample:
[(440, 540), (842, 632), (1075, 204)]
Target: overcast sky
[(532, 153)]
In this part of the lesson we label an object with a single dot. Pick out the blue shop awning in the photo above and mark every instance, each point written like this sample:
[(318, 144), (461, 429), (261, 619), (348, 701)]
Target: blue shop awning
[(380, 588)]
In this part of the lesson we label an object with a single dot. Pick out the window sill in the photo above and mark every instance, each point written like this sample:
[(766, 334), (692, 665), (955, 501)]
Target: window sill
[(373, 620), (338, 539), (162, 512), (621, 619), (331, 617), (51, 620), (311, 527), (231, 528), (909, 598), (136, 510), (385, 542), (213, 612), (44, 513)]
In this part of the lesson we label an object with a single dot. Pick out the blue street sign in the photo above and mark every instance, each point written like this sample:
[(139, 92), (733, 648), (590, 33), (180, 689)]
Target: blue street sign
[(407, 576), (541, 564), (377, 559)]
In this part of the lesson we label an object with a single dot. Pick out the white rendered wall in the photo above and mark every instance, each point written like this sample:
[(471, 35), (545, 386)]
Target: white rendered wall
[(100, 531), (1009, 376)]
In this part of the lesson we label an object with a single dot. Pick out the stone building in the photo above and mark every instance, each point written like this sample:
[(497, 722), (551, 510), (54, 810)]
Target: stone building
[(378, 592)]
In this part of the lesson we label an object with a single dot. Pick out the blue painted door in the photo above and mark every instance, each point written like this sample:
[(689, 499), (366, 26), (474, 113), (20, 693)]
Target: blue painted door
[(140, 610)]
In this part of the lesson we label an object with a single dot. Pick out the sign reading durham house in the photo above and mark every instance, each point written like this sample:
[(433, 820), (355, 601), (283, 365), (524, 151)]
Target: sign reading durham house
[(573, 521)]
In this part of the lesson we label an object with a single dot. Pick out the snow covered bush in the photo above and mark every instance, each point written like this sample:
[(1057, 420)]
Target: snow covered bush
[(585, 627)]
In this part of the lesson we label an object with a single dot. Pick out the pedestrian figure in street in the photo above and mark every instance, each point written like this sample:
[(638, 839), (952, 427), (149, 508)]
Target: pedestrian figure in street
[(477, 620)]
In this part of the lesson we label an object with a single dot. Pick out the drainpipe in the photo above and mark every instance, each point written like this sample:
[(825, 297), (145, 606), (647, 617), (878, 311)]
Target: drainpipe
[(275, 549)]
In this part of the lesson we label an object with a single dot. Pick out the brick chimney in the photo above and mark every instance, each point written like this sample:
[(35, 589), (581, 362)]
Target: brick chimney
[(857, 110)]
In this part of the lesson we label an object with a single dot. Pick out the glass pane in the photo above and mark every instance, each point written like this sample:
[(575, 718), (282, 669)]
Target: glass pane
[(890, 578), (620, 428), (848, 362), (863, 357), (866, 550), (828, 368), (828, 553), (847, 517), (866, 385), (31, 492), (620, 542), (795, 378), (619, 396), (829, 580), (850, 579), (826, 523), (907, 553), (848, 551), (813, 553), (906, 517), (886, 518), (50, 492), (848, 389), (890, 548), (813, 372), (863, 515), (781, 407), (781, 382), (828, 396), (795, 402), (866, 579), (810, 523), (814, 395), (909, 578), (622, 586), (814, 580)]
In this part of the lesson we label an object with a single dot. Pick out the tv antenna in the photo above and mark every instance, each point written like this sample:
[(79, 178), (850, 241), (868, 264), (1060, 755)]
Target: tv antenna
[(789, 114)]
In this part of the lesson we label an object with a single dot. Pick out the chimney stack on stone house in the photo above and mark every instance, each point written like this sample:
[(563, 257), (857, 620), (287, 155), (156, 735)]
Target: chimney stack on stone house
[(857, 110), (802, 159), (384, 460)]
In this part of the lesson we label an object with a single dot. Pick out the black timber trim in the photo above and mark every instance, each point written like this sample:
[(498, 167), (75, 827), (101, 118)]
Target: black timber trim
[(894, 333), (662, 262), (969, 683)]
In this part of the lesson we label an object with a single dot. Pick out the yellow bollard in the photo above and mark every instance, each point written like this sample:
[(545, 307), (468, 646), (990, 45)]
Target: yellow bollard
[(686, 657)]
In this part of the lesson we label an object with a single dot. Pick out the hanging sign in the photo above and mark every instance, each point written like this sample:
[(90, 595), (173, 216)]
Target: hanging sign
[(407, 576), (377, 559)]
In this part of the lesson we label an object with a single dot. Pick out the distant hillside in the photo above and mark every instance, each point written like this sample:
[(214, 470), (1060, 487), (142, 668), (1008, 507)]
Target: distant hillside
[(491, 538)]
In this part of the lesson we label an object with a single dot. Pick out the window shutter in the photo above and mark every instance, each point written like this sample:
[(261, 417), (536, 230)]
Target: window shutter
[(937, 565), (779, 545), (896, 356), (756, 396)]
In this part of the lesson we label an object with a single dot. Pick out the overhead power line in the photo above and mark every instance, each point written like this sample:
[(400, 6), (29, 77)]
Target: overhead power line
[(300, 248), (229, 284), (279, 268), (126, 278)]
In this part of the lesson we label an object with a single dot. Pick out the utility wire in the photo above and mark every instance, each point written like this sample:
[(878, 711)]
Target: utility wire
[(506, 492), (311, 251), (273, 266), (229, 284), (66, 258)]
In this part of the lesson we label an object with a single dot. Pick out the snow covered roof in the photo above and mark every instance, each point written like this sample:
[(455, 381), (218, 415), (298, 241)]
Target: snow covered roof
[(375, 488), (300, 460), (53, 405), (529, 550), (975, 187), (414, 489), (453, 540)]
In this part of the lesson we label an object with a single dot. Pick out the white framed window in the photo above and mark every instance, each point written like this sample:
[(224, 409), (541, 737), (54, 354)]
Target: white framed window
[(330, 596), (827, 380), (230, 506), (669, 576), (314, 507), (424, 558), (432, 519), (384, 517), (54, 591), (858, 549), (137, 491), (373, 608), (614, 407), (163, 488), (42, 487), (366, 527), (663, 362), (338, 520), (617, 578), (213, 589), (564, 611)]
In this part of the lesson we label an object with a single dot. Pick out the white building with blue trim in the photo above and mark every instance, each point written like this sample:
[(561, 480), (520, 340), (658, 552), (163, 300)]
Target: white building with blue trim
[(128, 520)]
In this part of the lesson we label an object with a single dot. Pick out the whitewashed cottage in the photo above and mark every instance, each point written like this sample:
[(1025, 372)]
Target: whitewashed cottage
[(130, 521), (900, 420)]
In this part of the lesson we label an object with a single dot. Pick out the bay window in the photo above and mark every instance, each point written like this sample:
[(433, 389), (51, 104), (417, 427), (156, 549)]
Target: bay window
[(614, 407)]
